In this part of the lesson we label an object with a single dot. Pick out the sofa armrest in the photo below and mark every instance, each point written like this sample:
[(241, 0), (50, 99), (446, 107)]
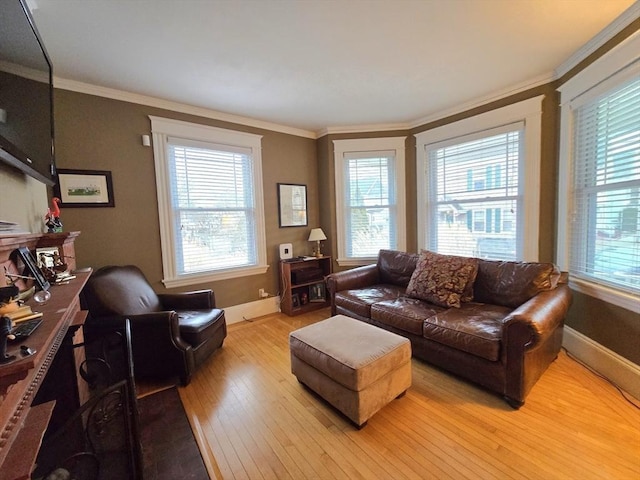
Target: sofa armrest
[(359, 277), (541, 315), (196, 300)]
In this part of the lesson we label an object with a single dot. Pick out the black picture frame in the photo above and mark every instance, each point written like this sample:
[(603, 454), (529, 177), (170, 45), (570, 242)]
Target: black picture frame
[(295, 300), (30, 267), (292, 205), (317, 292), (84, 188)]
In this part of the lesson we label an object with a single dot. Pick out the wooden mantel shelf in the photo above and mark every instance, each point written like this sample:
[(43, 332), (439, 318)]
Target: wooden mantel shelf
[(21, 379)]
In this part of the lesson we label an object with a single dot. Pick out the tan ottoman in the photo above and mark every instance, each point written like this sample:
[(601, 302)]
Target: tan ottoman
[(356, 367)]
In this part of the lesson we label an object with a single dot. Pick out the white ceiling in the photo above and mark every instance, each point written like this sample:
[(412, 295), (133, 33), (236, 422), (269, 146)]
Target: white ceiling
[(312, 64)]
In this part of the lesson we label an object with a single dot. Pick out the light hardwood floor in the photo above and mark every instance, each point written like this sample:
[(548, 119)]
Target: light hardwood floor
[(254, 420)]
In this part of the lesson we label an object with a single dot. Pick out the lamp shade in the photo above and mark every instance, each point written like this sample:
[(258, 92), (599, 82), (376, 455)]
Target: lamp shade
[(316, 235)]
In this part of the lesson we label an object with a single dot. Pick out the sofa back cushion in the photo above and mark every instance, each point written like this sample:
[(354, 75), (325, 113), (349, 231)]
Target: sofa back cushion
[(513, 283), (396, 267)]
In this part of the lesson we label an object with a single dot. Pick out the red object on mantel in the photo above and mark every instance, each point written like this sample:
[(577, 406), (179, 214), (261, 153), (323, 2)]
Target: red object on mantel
[(52, 218)]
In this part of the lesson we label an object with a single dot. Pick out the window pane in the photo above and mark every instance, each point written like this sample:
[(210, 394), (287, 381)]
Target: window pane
[(474, 198), (210, 240), (370, 205), (212, 201), (605, 242)]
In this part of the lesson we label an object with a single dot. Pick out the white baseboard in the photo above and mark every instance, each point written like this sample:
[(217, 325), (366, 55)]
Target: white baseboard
[(619, 370), (248, 311)]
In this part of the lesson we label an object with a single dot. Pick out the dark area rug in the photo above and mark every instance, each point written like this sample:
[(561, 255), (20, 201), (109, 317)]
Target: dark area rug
[(169, 448)]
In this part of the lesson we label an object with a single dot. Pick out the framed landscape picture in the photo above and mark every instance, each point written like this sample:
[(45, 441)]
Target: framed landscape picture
[(84, 188)]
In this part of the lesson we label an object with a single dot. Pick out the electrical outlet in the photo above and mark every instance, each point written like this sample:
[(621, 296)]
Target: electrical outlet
[(261, 293)]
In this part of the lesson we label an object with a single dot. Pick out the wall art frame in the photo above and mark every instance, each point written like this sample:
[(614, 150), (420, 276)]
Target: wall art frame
[(84, 188), (292, 205), (30, 268)]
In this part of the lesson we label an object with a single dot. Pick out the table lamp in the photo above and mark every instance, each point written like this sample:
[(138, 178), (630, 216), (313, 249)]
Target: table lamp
[(315, 236)]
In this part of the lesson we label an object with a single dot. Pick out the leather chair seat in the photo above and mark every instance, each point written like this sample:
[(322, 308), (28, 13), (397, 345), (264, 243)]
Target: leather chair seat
[(197, 326)]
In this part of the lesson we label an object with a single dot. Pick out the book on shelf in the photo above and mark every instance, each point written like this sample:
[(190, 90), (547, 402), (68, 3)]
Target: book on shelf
[(22, 314)]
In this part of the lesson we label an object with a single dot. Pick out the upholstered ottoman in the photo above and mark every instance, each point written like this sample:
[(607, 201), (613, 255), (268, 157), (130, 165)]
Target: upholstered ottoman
[(356, 367)]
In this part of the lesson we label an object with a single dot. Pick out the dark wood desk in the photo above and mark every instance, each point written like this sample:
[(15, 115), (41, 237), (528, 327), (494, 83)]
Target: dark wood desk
[(22, 423)]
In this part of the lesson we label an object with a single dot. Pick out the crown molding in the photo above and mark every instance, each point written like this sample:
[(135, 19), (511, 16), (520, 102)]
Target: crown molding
[(81, 87), (381, 127), (623, 20), (493, 97)]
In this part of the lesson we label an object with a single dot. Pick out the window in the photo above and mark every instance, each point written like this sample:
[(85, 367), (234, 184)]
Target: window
[(369, 196), (478, 184), (599, 240), (210, 202)]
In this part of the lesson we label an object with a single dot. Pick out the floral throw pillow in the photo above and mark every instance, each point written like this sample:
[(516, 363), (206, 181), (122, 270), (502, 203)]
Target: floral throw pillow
[(443, 279)]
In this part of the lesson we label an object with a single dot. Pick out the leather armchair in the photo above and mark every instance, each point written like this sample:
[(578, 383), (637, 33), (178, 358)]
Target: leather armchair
[(172, 334)]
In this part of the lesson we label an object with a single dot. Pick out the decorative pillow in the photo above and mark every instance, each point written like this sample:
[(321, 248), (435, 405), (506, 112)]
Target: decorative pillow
[(443, 280)]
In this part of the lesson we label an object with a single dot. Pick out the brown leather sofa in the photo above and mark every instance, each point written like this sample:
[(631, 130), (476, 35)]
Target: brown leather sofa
[(172, 334), (503, 339)]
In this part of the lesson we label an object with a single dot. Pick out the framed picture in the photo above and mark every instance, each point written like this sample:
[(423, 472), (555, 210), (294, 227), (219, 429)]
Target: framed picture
[(292, 205), (84, 188), (317, 292), (295, 300), (29, 268)]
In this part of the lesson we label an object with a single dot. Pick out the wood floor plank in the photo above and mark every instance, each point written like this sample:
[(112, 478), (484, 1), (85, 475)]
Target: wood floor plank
[(260, 423)]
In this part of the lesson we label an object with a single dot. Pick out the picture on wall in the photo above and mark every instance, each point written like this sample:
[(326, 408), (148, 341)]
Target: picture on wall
[(84, 188), (292, 205)]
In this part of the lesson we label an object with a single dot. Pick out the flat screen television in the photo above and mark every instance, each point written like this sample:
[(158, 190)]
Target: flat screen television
[(26, 94)]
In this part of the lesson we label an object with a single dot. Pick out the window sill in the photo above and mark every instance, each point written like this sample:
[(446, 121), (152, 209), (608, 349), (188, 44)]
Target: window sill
[(625, 300), (198, 278), (356, 262)]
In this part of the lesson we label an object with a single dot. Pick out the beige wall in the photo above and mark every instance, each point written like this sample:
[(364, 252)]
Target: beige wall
[(102, 134), (23, 200)]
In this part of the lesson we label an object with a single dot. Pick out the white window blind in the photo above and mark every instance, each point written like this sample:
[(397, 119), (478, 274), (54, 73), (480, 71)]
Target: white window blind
[(370, 203), (213, 206), (604, 236), (474, 198)]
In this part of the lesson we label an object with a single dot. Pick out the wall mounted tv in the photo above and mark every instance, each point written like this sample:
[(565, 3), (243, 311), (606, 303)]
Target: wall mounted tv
[(26, 94)]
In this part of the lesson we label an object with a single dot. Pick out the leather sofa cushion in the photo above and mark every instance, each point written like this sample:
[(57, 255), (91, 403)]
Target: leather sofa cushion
[(513, 283), (396, 267), (474, 328), (405, 313), (359, 301), (197, 326)]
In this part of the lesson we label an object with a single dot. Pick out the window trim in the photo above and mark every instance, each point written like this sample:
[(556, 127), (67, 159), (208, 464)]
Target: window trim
[(604, 73), (162, 128), (528, 111), (369, 145)]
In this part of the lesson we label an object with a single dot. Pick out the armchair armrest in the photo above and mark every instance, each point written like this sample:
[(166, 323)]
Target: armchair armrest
[(196, 300), (159, 326), (359, 277), (541, 316)]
